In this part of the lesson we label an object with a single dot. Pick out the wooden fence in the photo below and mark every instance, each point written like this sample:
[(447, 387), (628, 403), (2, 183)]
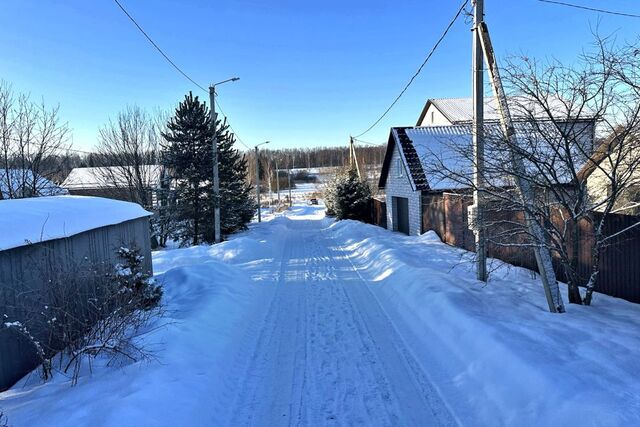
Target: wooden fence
[(378, 213), (619, 265)]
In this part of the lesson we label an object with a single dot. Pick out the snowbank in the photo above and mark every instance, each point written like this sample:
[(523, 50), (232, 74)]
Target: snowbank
[(37, 219), (497, 355)]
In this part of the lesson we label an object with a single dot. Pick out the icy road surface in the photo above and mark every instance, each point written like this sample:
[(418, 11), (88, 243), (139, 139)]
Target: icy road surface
[(326, 351)]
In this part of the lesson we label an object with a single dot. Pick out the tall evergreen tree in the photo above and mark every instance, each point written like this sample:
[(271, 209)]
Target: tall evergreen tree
[(187, 153), (237, 207)]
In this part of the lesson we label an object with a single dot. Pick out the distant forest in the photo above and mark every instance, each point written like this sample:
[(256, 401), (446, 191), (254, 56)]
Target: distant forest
[(299, 158), (325, 156)]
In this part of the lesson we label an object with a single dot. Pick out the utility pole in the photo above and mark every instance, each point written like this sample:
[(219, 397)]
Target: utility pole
[(258, 184), (353, 158), (478, 144), (289, 182), (277, 182), (216, 176), (525, 190), (258, 179), (214, 149)]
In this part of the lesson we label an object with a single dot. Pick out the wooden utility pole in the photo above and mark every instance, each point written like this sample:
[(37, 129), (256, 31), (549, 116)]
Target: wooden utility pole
[(353, 159), (216, 176), (477, 210), (525, 190)]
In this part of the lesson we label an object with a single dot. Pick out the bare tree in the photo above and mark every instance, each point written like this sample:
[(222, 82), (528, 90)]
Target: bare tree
[(130, 146), (577, 133), (30, 136)]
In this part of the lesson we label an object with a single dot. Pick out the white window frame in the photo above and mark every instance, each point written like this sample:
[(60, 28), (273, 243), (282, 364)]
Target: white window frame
[(400, 167)]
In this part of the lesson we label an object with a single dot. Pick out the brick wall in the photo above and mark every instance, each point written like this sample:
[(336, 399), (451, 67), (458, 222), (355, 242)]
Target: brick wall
[(398, 185)]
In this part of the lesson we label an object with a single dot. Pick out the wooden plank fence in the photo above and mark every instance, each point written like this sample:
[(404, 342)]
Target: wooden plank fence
[(378, 213)]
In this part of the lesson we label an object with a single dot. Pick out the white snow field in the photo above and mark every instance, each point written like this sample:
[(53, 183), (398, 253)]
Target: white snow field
[(304, 321)]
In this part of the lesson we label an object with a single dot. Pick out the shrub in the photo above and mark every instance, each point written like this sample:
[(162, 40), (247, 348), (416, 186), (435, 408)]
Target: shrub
[(94, 311), (348, 197)]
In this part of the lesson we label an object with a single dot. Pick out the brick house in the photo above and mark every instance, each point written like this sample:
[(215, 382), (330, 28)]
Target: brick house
[(414, 155)]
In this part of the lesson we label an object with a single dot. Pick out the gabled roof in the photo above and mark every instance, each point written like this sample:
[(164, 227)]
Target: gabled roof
[(111, 177), (444, 153), (606, 148), (14, 181), (460, 110), (410, 157)]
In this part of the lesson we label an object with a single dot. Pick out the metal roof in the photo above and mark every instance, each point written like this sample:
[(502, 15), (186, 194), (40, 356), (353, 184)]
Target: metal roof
[(440, 157), (460, 110), (111, 177)]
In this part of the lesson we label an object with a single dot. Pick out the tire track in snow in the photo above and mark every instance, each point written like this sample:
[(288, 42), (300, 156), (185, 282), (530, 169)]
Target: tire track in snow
[(327, 353)]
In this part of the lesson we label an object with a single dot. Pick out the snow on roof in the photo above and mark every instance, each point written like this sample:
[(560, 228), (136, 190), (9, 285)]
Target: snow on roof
[(15, 182), (111, 176), (38, 219), (436, 144), (460, 110), (445, 152)]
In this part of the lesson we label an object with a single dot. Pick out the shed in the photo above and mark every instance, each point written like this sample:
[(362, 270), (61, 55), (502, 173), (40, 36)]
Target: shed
[(116, 182), (46, 236)]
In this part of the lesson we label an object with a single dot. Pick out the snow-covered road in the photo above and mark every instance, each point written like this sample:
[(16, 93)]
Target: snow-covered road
[(304, 321), (326, 351)]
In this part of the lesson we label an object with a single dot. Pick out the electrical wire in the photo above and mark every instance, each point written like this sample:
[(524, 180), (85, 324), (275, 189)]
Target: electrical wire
[(431, 52), (592, 9), (185, 75), (230, 127)]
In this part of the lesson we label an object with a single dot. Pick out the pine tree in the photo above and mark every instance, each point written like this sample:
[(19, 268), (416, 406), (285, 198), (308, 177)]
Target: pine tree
[(187, 153)]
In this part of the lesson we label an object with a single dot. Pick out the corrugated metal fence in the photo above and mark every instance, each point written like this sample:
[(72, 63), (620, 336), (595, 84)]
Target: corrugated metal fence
[(619, 263)]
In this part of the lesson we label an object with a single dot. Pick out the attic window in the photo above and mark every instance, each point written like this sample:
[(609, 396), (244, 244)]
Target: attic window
[(433, 115), (399, 168)]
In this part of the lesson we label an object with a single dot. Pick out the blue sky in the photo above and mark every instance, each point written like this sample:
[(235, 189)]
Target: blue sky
[(311, 72)]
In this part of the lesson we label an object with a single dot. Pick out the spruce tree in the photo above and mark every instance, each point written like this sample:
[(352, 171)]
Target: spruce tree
[(237, 207), (348, 197), (187, 153)]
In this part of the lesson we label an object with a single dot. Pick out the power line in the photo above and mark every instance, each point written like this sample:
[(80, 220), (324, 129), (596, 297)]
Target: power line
[(433, 49), (78, 151), (164, 55), (592, 9), (230, 127), (158, 47)]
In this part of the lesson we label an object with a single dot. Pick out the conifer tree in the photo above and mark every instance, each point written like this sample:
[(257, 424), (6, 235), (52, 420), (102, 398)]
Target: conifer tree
[(187, 154), (237, 206)]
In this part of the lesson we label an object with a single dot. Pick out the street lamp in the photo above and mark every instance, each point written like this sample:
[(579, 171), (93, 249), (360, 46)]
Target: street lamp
[(258, 179), (214, 149)]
